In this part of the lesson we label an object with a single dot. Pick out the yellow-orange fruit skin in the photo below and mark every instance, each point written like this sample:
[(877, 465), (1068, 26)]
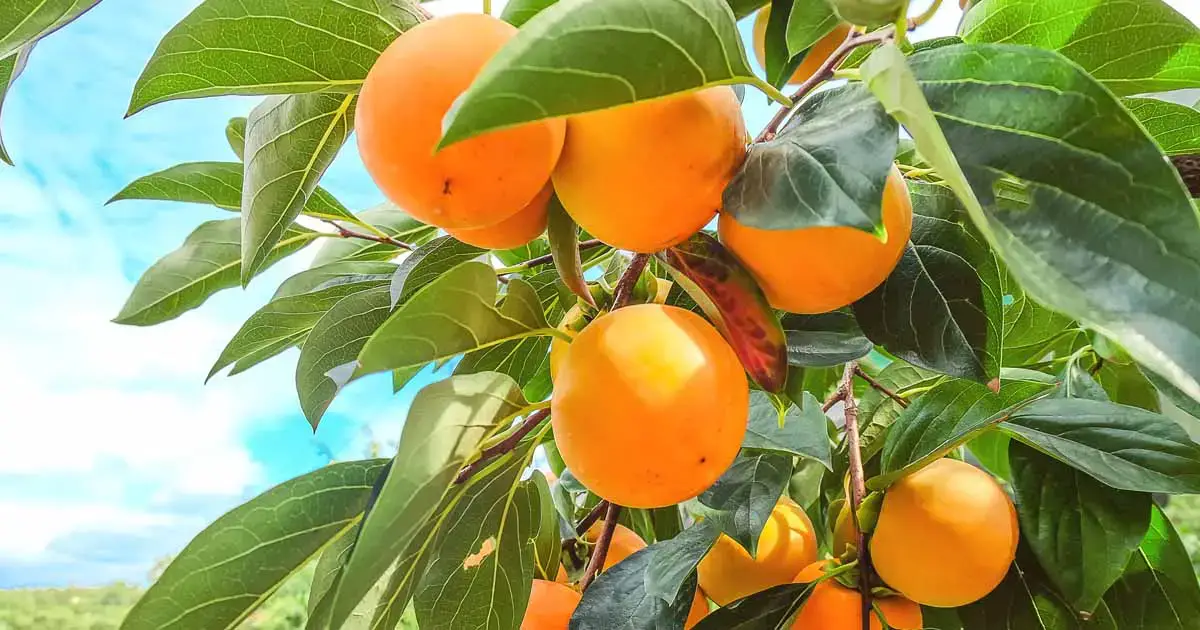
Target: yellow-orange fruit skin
[(812, 61), (649, 406), (648, 175), (844, 532), (550, 606), (819, 269), (478, 182), (832, 606), (946, 535), (786, 545), (698, 611), (515, 231)]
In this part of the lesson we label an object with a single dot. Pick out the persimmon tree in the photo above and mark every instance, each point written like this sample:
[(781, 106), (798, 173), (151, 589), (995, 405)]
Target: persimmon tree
[(904, 358)]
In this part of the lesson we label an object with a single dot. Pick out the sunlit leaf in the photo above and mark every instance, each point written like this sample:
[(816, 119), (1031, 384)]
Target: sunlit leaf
[(24, 22), (325, 276), (10, 68), (235, 134), (563, 234), (387, 218), (1175, 127)]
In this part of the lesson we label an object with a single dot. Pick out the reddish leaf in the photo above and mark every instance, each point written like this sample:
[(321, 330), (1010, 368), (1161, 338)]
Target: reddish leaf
[(734, 302)]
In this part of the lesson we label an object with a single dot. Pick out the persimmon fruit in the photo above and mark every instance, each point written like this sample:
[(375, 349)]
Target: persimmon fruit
[(820, 269), (649, 406), (550, 606), (831, 606), (787, 544), (515, 231), (475, 183), (816, 55), (946, 535), (647, 175)]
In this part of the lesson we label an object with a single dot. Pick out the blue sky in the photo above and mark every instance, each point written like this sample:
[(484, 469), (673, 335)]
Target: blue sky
[(113, 452)]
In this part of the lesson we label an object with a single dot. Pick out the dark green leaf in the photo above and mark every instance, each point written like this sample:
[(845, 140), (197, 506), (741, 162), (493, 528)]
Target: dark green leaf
[(427, 263), (563, 235), (23, 22), (674, 561), (325, 276), (1172, 393), (231, 567), (1024, 601), (823, 340), (1082, 532), (290, 141), (1133, 47), (518, 12), (772, 609), (746, 493), (826, 168), (1125, 447), (217, 184), (1033, 332), (939, 421), (10, 68), (742, 8), (1126, 385), (1076, 382), (777, 63), (941, 308), (877, 412), (731, 298), (326, 576), (583, 55), (235, 133), (445, 424), (1159, 589), (271, 47), (801, 430), (1175, 127), (618, 600), (207, 262)]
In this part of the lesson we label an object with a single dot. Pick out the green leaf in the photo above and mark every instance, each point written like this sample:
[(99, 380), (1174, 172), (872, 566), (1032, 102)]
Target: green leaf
[(208, 261), (1098, 227), (451, 315), (826, 168), (746, 493), (1124, 447), (823, 340), (1173, 394), (445, 424), (547, 541), (235, 133), (809, 22), (326, 576), (772, 609), (231, 567), (582, 55), (24, 22), (325, 276), (480, 573), (941, 308), (1024, 600), (1159, 588), (335, 341), (802, 430), (282, 324), (216, 184), (742, 8), (777, 62), (735, 303), (10, 68), (877, 412), (429, 262), (518, 12), (674, 560), (1082, 532), (1126, 385), (387, 218), (619, 599), (1032, 331), (1132, 47), (939, 421), (1175, 127), (270, 47), (1076, 382), (563, 234), (290, 141)]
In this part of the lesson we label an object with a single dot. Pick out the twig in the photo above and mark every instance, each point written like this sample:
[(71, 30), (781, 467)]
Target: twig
[(602, 543), (345, 232), (879, 387), (834, 398), (591, 518), (858, 488), (924, 17), (548, 258), (1189, 169), (824, 73), (624, 291), (507, 444)]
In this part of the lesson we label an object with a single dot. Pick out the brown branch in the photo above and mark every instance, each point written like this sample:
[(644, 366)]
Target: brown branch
[(858, 488), (591, 518), (824, 73), (624, 291), (596, 563), (1189, 169), (837, 396), (549, 258), (879, 387), (345, 232), (507, 444)]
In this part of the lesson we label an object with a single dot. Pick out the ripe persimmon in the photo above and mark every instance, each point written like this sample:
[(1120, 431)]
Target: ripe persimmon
[(816, 55), (946, 534), (647, 175), (650, 406), (819, 269), (475, 183), (550, 606), (515, 231), (831, 606), (786, 545)]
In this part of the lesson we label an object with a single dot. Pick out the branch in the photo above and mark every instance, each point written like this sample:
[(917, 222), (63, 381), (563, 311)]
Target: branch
[(596, 563), (344, 232), (824, 73), (624, 291), (549, 258), (1189, 169), (879, 386), (507, 444), (591, 518), (858, 488), (921, 19)]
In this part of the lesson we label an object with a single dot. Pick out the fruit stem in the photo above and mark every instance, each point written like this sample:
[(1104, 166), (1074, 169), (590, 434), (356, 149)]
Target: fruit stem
[(879, 387), (507, 444), (591, 518), (624, 291), (611, 513), (487, 7), (925, 16), (345, 232), (858, 487), (548, 258), (824, 73)]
